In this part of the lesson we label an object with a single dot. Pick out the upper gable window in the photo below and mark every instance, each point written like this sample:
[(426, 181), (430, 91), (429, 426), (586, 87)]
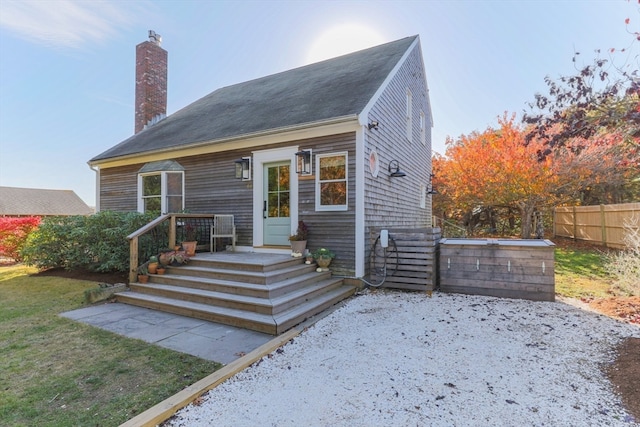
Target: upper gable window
[(409, 113), (161, 187), (331, 182), (423, 130)]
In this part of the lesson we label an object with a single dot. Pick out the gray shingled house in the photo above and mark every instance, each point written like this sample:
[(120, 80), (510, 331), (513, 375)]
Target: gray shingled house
[(343, 144), (358, 118)]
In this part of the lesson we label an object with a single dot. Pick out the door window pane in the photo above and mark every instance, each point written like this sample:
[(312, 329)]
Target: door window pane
[(278, 191)]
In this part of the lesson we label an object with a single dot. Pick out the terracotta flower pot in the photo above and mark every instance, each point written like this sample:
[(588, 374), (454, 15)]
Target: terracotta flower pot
[(153, 267), (160, 270), (190, 247), (143, 278)]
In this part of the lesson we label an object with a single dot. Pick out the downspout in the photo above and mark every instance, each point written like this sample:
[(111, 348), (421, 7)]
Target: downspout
[(97, 171)]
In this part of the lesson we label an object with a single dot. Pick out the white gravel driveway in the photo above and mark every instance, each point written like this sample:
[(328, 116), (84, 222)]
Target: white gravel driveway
[(405, 359)]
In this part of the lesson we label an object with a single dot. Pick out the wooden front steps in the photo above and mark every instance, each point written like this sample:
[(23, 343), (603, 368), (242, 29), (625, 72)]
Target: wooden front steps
[(264, 292)]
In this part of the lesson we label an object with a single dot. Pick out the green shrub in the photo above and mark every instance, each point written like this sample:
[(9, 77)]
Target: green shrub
[(97, 242)]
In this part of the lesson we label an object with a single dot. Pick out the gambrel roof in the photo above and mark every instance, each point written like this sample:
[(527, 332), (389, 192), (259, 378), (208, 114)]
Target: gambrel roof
[(16, 201), (316, 93)]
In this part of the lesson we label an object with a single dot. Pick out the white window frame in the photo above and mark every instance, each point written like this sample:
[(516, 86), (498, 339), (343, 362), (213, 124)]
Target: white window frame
[(163, 190), (325, 208), (423, 196), (409, 112)]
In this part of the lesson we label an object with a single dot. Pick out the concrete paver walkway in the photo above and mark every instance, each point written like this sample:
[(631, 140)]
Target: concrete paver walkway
[(207, 340)]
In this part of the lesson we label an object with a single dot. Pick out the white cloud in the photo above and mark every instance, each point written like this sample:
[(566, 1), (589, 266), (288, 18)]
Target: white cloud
[(64, 23)]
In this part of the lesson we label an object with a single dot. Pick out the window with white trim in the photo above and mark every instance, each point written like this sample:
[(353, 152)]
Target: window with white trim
[(161, 187), (331, 182), (409, 113), (423, 130)]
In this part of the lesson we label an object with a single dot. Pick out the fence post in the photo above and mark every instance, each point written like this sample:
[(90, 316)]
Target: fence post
[(603, 225), (575, 224), (172, 231), (133, 259)]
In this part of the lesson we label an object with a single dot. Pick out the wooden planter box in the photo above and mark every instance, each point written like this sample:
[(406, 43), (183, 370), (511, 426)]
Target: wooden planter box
[(508, 268)]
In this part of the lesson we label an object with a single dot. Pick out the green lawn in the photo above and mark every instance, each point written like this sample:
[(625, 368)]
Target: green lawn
[(581, 273), (57, 372)]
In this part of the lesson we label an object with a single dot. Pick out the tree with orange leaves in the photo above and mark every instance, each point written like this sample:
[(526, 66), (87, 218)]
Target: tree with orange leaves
[(483, 173), (493, 169)]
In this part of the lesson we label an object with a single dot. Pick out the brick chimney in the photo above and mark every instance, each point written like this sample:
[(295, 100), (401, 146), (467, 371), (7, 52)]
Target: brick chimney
[(151, 82)]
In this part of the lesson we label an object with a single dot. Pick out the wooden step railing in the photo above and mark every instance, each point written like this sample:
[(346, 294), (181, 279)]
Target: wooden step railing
[(176, 223)]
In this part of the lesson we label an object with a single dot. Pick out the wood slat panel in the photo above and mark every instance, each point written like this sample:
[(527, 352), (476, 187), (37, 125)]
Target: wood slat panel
[(505, 271), (416, 262)]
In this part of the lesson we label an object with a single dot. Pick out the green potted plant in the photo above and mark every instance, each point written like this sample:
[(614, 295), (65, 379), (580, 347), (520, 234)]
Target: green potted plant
[(323, 257), (308, 257), (153, 264), (299, 240), (178, 257), (143, 273)]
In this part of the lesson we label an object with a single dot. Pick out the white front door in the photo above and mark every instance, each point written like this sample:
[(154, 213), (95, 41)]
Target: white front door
[(275, 196), (276, 206)]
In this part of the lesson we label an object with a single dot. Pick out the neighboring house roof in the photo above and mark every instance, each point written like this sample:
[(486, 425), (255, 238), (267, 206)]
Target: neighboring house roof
[(37, 202), (331, 89)]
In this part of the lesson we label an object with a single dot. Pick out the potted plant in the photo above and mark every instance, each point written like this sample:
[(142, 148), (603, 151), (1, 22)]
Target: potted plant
[(323, 257), (153, 264), (299, 240), (163, 257), (160, 269), (191, 239), (308, 257), (143, 273), (178, 257)]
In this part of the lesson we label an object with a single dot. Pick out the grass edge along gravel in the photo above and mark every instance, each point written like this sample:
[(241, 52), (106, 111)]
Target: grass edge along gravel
[(58, 372)]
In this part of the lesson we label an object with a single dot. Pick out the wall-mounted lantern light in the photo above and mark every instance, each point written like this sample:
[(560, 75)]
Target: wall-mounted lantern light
[(373, 125), (303, 162), (394, 170), (243, 169), (430, 189)]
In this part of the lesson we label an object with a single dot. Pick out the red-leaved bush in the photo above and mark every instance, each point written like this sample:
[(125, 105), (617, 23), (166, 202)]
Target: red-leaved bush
[(14, 233)]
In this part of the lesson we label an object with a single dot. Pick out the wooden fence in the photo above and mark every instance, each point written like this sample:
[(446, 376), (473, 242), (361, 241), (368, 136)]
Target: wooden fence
[(603, 224)]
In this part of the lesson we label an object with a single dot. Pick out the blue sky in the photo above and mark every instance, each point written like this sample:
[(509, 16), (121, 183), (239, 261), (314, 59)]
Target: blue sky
[(67, 67)]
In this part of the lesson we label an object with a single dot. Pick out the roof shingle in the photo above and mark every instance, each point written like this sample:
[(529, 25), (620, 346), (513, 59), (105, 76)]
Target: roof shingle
[(334, 88), (16, 201)]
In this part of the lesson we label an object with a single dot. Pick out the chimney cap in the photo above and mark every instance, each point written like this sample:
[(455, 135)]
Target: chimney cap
[(155, 38)]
